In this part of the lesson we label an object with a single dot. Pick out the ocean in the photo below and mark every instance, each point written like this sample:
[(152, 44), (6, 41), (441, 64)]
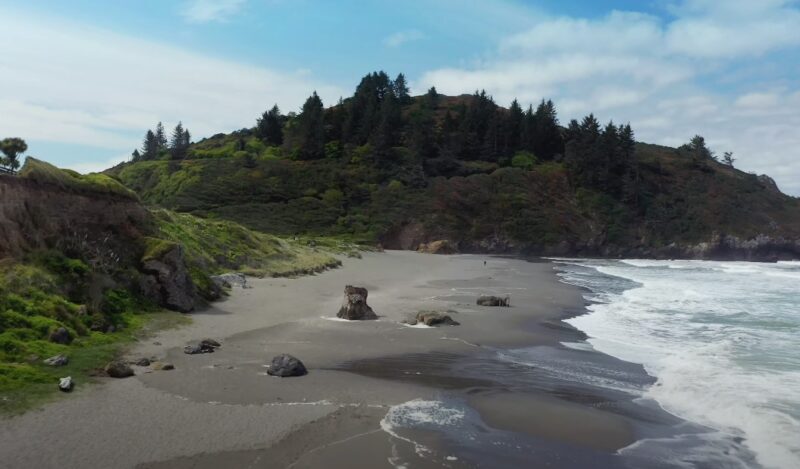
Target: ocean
[(721, 340)]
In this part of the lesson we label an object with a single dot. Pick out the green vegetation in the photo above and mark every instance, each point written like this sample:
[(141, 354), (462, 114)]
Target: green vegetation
[(45, 293), (216, 246), (69, 180), (464, 169)]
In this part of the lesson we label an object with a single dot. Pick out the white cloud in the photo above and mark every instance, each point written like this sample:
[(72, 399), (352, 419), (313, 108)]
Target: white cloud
[(74, 84), (639, 68), (205, 11), (403, 37)]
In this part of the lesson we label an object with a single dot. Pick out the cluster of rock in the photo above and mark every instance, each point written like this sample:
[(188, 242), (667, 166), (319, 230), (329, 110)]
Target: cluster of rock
[(355, 307), (204, 346), (432, 318), (493, 301)]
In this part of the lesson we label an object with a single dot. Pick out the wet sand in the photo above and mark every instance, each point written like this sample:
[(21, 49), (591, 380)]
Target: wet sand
[(222, 410)]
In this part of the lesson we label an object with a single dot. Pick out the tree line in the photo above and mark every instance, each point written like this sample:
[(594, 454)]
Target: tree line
[(156, 146)]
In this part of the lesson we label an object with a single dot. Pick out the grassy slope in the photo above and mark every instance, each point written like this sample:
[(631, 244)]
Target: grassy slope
[(216, 246), (47, 290)]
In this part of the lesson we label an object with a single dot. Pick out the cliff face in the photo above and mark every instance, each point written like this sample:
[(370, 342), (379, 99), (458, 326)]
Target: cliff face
[(35, 215), (109, 231)]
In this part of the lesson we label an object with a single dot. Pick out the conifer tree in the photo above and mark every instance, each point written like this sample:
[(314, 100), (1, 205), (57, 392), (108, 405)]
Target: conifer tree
[(12, 148), (161, 138), (179, 144), (269, 127), (150, 146), (311, 127), (401, 91), (136, 156), (431, 98)]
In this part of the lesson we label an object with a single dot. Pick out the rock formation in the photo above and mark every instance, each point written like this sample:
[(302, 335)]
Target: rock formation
[(286, 365), (169, 283), (355, 307)]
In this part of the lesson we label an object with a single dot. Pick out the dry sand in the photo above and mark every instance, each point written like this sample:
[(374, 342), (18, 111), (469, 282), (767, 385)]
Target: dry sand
[(222, 410)]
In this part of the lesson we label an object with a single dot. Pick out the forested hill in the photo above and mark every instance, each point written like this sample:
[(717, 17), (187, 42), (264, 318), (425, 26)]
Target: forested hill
[(383, 166)]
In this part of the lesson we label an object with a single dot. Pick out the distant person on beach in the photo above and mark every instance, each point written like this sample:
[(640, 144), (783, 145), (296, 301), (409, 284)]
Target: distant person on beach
[(484, 262)]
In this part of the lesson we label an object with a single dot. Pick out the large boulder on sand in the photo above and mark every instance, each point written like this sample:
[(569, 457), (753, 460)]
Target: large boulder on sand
[(119, 369), (355, 306), (286, 365), (493, 301), (167, 280)]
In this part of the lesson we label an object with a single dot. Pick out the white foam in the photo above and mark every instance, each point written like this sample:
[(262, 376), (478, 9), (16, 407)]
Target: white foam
[(721, 339), (416, 413)]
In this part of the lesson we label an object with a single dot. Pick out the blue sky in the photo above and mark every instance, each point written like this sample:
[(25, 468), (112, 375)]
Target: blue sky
[(82, 80)]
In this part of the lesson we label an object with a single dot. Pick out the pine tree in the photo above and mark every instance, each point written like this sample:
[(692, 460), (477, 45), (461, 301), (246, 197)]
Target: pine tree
[(269, 127), (12, 148), (179, 144), (150, 146), (385, 136), (161, 138), (401, 91), (312, 129), (513, 131), (431, 100), (136, 156)]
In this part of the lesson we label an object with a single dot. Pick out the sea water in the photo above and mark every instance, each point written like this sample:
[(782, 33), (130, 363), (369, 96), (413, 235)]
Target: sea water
[(722, 340)]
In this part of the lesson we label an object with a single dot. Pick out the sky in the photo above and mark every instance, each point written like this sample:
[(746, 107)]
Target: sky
[(82, 81)]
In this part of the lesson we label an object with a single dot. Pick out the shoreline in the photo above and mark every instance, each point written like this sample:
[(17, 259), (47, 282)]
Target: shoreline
[(222, 406)]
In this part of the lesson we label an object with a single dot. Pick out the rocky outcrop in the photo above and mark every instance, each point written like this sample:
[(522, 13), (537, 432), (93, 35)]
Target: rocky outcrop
[(432, 318), (286, 365), (493, 301), (119, 369), (441, 246), (169, 282), (355, 307)]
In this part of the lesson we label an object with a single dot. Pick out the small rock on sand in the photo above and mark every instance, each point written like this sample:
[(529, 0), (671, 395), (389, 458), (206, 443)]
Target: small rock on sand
[(493, 301), (433, 318), (286, 365), (66, 384), (143, 362)]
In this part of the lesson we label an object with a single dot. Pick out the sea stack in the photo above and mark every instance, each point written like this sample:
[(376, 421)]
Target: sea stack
[(355, 307)]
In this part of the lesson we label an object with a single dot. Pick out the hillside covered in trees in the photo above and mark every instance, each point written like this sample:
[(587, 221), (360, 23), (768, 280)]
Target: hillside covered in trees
[(384, 167)]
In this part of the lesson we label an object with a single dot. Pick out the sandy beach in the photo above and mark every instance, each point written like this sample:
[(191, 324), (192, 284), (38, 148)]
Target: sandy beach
[(223, 410)]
